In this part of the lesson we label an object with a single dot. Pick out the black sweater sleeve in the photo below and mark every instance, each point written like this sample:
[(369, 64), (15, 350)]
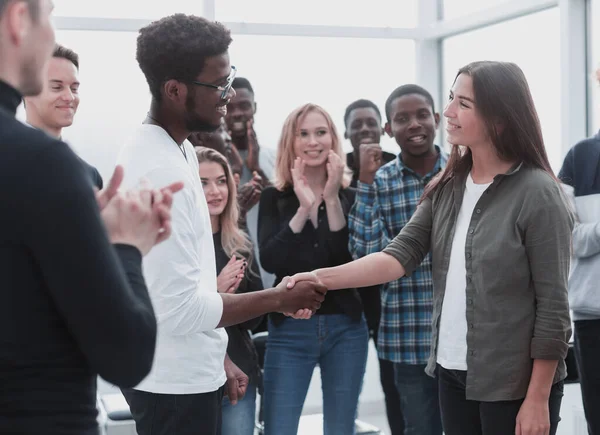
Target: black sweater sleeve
[(276, 239), (98, 290)]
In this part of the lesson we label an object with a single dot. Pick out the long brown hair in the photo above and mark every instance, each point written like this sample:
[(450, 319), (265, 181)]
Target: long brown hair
[(285, 149), (233, 239), (502, 97)]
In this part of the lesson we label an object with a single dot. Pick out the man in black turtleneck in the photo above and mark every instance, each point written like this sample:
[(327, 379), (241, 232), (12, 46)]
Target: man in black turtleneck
[(72, 304)]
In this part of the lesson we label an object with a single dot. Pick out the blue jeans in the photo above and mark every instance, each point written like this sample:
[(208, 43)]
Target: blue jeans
[(334, 342), (419, 400), (240, 419)]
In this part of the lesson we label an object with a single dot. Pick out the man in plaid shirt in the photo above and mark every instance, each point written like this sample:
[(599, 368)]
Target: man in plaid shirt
[(385, 201)]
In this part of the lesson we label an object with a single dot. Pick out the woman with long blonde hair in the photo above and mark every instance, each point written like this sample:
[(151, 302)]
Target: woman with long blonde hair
[(302, 225), (237, 273)]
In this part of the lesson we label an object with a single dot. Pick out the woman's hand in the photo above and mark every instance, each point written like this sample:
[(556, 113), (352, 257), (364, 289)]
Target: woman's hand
[(301, 188), (335, 174), (231, 276)]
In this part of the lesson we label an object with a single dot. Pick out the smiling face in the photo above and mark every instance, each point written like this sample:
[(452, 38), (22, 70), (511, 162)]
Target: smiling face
[(364, 126), (55, 107), (313, 139), (413, 124), (240, 110), (214, 184), (465, 125), (204, 107)]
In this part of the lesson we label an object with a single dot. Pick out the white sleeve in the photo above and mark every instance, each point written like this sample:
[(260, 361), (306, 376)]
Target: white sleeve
[(181, 271), (586, 234)]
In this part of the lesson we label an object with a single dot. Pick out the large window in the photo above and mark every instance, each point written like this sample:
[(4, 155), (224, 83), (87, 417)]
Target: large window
[(114, 94), (289, 71), (521, 41), (143, 9), (378, 13), (460, 8), (593, 78), (331, 72)]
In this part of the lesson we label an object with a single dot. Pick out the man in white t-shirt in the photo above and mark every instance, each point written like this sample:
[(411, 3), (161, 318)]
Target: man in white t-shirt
[(186, 64)]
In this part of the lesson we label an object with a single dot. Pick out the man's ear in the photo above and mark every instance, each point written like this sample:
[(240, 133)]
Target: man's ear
[(255, 106), (346, 135), (19, 21), (436, 116), (175, 91), (388, 129)]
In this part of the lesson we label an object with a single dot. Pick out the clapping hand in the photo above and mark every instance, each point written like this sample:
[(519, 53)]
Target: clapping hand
[(335, 173), (249, 193), (231, 276), (303, 192), (252, 161), (141, 218)]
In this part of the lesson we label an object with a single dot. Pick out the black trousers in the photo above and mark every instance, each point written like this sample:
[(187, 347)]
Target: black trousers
[(468, 417), (587, 354), (175, 414)]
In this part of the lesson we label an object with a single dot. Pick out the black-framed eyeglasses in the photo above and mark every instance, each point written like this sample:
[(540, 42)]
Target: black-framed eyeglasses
[(225, 88)]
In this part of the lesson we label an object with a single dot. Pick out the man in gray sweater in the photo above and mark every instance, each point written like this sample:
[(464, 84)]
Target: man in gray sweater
[(581, 172)]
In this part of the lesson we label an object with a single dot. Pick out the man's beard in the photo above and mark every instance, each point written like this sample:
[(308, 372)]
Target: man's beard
[(31, 80), (193, 122)]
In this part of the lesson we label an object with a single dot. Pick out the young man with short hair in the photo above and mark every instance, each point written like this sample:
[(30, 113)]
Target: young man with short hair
[(186, 63), (387, 197), (55, 107), (363, 123)]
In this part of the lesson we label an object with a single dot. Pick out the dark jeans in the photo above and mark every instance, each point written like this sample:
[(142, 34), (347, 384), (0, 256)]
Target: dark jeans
[(587, 354), (469, 417), (170, 414), (419, 400)]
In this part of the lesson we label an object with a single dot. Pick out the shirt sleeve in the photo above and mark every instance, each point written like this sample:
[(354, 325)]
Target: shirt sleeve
[(184, 301), (367, 231), (98, 291), (413, 243), (276, 240), (548, 247)]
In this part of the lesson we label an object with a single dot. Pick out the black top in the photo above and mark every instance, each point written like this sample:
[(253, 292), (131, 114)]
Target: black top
[(240, 347), (93, 174), (284, 253), (369, 295), (71, 305)]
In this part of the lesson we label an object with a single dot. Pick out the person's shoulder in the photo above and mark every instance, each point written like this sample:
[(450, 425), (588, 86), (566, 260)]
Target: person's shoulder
[(538, 183), (390, 169), (590, 144), (348, 193), (25, 137), (272, 192)]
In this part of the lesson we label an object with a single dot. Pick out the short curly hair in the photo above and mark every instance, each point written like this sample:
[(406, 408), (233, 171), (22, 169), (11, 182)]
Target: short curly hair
[(176, 47)]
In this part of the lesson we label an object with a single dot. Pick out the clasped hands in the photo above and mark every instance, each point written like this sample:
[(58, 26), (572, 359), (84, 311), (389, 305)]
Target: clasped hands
[(306, 283), (138, 217)]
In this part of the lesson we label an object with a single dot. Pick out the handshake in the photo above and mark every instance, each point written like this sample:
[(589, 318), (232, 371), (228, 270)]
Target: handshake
[(301, 295)]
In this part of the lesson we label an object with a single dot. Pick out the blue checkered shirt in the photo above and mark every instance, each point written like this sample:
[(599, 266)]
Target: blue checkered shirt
[(379, 213)]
